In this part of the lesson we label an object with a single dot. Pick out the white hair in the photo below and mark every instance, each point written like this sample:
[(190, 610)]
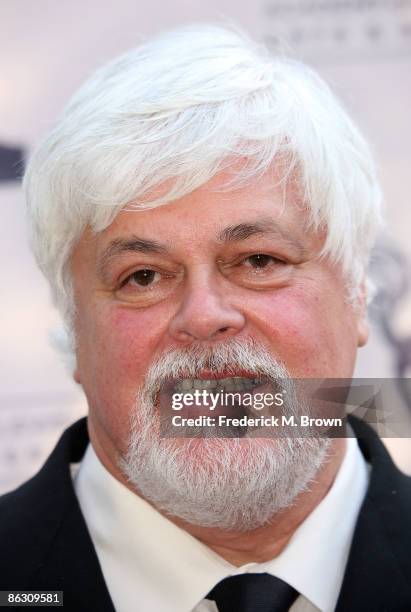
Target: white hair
[(174, 112)]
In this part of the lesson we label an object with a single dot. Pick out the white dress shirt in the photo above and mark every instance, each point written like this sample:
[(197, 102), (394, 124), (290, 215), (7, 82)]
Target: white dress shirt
[(151, 565)]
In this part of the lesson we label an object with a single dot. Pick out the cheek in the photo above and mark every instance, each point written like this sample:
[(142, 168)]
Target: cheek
[(116, 347), (127, 340), (309, 332)]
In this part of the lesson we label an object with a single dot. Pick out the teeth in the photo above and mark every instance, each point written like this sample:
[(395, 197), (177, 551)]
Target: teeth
[(209, 384), (227, 385), (185, 385)]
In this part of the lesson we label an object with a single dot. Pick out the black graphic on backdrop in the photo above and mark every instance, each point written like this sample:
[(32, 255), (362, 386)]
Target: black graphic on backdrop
[(11, 163)]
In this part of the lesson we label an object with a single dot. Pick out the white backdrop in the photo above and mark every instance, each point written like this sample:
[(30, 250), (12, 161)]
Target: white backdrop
[(48, 48)]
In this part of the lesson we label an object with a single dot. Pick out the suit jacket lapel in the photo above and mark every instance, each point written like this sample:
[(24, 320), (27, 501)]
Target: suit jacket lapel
[(67, 560), (378, 573)]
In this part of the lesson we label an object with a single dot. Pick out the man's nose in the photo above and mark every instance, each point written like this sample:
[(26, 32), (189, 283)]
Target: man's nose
[(205, 314)]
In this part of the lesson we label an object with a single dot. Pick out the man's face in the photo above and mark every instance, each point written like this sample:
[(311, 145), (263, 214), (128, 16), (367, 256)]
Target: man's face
[(212, 266)]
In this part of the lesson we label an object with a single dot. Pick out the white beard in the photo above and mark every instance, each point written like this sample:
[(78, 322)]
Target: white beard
[(237, 484)]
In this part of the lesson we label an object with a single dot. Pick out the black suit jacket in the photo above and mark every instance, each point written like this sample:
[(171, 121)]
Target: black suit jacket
[(45, 544)]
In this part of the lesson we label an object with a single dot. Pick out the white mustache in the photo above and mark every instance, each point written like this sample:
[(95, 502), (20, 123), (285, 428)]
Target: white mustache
[(228, 358)]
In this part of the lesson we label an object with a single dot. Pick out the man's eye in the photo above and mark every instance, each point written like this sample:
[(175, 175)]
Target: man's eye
[(261, 260), (146, 286), (143, 278)]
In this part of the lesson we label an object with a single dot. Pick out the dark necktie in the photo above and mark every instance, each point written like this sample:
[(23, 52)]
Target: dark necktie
[(253, 593)]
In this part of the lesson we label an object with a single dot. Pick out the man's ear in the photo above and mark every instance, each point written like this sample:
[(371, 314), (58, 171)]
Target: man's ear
[(361, 312)]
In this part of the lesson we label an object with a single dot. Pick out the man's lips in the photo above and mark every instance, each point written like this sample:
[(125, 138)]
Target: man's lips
[(208, 386), (213, 394)]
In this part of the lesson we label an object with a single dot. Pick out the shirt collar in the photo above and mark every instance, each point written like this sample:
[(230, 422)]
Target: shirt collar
[(314, 560), (151, 564)]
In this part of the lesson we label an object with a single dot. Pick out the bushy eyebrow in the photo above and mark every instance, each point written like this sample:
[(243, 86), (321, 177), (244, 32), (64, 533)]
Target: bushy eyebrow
[(242, 231), (133, 244)]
